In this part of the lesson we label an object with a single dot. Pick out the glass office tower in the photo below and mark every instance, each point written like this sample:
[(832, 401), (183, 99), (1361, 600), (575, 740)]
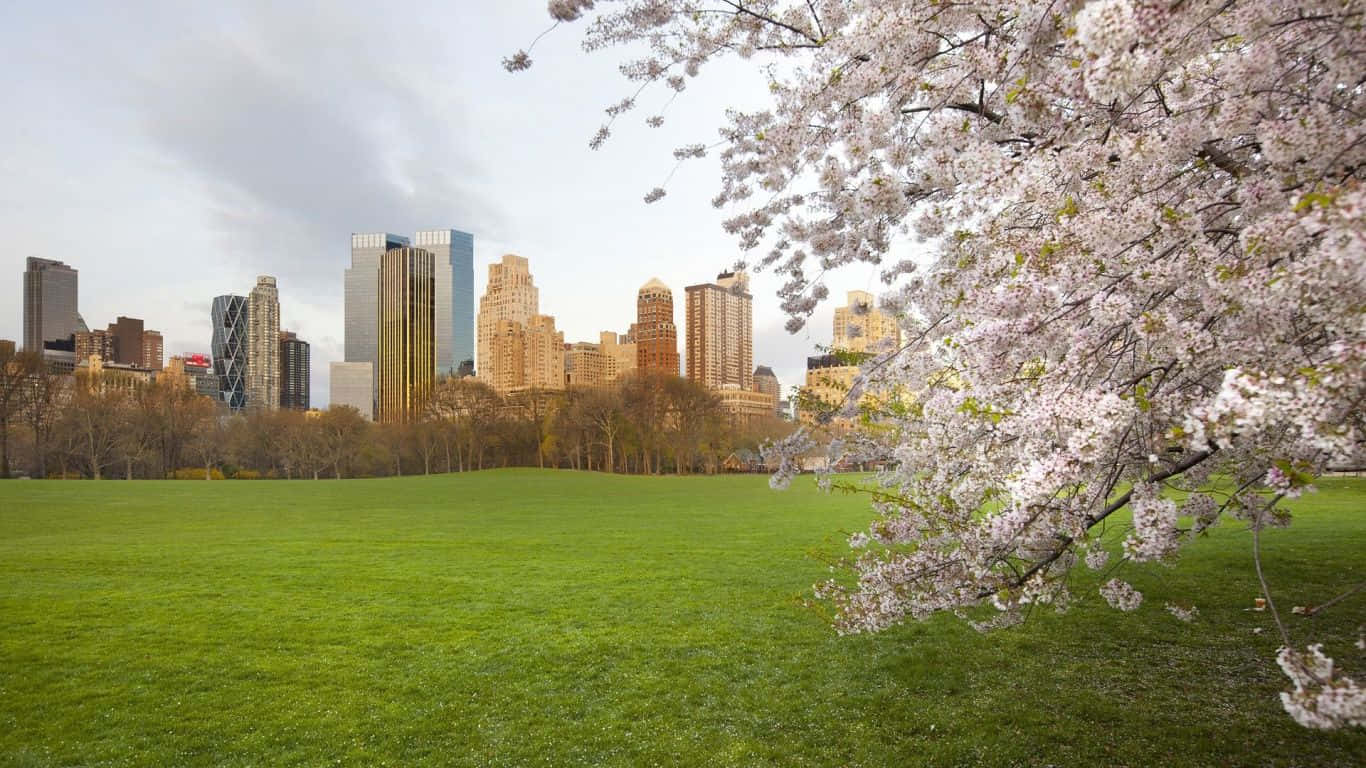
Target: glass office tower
[(453, 254), (362, 295), (50, 315)]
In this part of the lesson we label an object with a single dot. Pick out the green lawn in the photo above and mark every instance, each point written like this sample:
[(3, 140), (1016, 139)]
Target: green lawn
[(542, 618)]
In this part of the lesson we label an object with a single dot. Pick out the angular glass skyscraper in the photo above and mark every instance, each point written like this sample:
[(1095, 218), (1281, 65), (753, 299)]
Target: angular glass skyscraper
[(453, 252), (229, 317)]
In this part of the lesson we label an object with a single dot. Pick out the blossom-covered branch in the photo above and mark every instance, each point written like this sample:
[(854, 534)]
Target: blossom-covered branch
[(1126, 235)]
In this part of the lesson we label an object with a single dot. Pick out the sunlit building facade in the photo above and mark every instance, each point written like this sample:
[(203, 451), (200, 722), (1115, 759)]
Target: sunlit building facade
[(519, 348), (407, 334), (655, 333), (861, 327), (860, 330), (721, 332), (153, 350)]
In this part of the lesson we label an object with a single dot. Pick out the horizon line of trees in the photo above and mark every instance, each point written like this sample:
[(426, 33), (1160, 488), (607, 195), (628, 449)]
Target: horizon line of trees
[(75, 426)]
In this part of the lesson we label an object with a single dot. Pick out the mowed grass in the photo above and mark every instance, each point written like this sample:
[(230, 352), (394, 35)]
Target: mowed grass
[(547, 618)]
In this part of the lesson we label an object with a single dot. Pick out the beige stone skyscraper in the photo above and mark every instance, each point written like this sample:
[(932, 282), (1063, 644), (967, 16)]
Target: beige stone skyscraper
[(407, 334), (544, 367), (519, 347), (510, 295), (861, 327), (594, 365), (721, 332), (263, 345)]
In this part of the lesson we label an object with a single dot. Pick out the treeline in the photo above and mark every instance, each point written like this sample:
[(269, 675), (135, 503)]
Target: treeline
[(75, 426)]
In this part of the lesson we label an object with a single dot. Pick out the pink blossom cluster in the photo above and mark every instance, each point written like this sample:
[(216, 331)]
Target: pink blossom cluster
[(1125, 238), (1322, 698)]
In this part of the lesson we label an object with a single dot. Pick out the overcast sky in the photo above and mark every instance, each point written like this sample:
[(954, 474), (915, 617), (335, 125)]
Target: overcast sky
[(173, 151)]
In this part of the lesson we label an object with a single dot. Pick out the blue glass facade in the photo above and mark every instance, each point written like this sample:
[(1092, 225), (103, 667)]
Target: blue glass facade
[(454, 255)]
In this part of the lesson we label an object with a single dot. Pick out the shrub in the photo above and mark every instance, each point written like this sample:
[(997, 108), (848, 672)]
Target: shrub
[(195, 473)]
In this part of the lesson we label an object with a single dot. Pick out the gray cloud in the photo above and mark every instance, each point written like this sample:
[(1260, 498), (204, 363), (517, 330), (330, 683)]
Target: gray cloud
[(299, 140)]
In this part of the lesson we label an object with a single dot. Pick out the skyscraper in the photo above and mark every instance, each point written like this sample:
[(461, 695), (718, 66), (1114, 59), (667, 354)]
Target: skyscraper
[(544, 364), (453, 256), (509, 295), (92, 343), (766, 381), (126, 333), (353, 384), (294, 372), (594, 365), (263, 345), (654, 332), (407, 333), (519, 348), (49, 305), (153, 349), (721, 332), (861, 327), (361, 305), (229, 318)]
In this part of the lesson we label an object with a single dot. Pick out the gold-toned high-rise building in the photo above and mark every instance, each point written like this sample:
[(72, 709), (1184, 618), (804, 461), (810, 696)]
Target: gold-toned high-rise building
[(407, 333), (721, 332), (519, 347)]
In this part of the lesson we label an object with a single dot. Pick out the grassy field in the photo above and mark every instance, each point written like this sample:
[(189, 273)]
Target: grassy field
[(541, 618)]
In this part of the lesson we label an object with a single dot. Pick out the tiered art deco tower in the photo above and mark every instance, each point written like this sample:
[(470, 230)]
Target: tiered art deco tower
[(519, 348)]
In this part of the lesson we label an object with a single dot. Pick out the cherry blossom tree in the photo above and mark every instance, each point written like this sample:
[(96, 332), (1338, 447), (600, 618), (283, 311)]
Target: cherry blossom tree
[(1125, 238)]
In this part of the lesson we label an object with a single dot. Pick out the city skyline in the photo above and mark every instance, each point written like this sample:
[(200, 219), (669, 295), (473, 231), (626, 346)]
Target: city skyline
[(411, 144), (515, 304)]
